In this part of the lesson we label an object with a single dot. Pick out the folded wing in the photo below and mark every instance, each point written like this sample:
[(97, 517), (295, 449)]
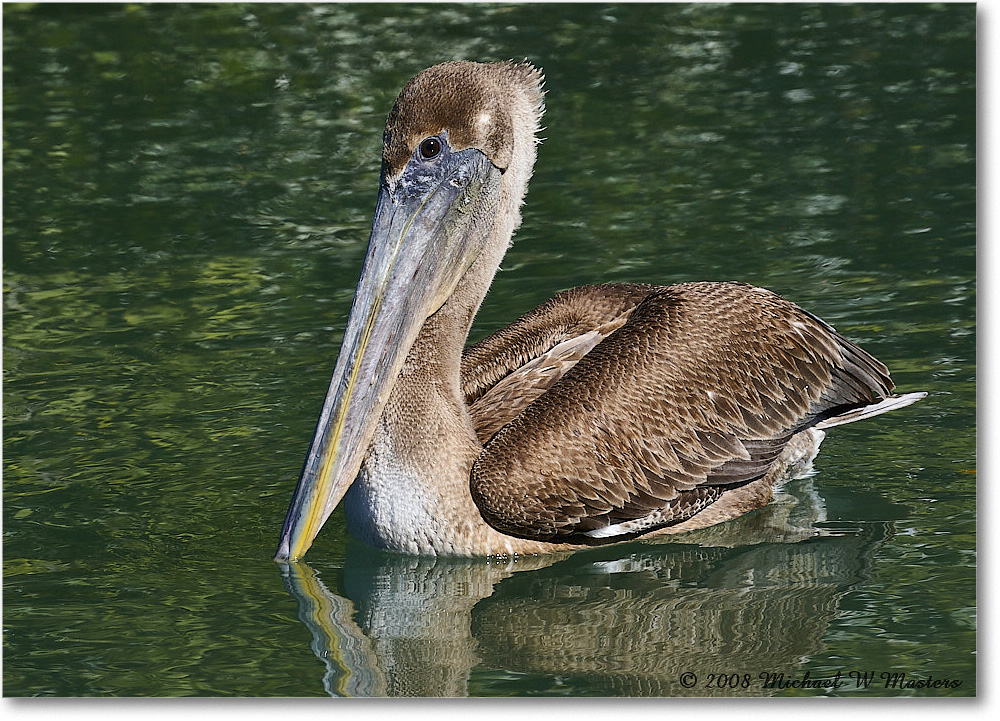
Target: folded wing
[(684, 392)]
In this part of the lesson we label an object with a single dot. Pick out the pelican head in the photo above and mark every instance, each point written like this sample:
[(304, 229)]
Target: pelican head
[(458, 149)]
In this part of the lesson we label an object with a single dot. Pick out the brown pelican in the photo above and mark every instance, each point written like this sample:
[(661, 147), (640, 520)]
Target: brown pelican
[(608, 413)]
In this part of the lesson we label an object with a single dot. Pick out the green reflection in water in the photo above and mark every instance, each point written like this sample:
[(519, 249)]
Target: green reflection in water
[(187, 193)]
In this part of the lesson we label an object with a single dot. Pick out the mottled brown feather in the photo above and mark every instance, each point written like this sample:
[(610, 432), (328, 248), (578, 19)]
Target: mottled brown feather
[(698, 391), (507, 370)]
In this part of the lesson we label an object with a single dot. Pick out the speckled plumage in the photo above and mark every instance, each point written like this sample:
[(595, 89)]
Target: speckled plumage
[(699, 391)]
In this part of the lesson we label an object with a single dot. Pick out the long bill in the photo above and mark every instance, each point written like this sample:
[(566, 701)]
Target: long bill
[(428, 229)]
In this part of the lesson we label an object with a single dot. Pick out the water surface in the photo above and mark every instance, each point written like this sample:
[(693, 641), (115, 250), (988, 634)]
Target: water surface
[(187, 195)]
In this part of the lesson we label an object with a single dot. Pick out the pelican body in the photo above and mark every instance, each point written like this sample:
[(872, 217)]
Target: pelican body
[(608, 413)]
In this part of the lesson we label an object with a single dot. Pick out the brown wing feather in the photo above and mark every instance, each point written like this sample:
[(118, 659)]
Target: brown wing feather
[(506, 371), (699, 389)]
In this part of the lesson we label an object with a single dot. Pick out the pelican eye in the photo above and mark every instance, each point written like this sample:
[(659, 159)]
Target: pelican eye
[(429, 148)]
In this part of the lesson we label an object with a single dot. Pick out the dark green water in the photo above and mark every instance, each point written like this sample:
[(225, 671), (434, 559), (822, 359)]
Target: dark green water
[(187, 194)]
